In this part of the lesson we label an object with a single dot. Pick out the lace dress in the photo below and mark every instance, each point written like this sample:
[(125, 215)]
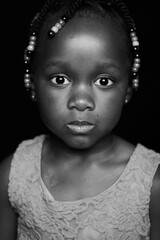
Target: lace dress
[(121, 212)]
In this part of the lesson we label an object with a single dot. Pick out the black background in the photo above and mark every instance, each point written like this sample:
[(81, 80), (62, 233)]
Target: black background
[(19, 116)]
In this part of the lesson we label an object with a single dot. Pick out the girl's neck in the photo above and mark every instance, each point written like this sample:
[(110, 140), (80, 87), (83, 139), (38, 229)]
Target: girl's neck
[(101, 151)]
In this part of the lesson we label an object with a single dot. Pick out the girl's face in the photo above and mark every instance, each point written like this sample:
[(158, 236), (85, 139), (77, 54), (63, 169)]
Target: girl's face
[(82, 76)]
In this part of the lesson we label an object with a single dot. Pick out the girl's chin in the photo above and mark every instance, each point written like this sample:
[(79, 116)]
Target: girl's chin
[(80, 142)]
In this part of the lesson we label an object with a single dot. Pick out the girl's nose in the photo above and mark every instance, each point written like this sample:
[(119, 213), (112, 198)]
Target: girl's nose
[(81, 99)]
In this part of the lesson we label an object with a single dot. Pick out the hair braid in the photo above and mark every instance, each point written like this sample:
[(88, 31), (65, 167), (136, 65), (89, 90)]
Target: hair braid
[(74, 7), (122, 9), (37, 20)]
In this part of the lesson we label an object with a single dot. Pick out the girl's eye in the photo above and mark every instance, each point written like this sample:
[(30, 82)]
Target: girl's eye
[(104, 81), (60, 80)]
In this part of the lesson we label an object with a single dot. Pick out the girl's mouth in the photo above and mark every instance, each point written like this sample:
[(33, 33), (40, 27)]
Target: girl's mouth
[(81, 126)]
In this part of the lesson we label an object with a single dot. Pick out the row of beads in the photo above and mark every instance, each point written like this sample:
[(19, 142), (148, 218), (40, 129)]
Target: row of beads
[(134, 38), (57, 27), (27, 57), (27, 81), (32, 43), (136, 61), (135, 83)]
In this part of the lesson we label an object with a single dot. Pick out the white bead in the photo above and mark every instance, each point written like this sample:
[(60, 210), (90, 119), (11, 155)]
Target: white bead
[(137, 60), (135, 80), (55, 29), (33, 38), (61, 22), (58, 25), (134, 39), (135, 43), (33, 96), (136, 65), (27, 81), (26, 58), (132, 34), (32, 43), (126, 100), (30, 48), (136, 85), (27, 85), (134, 69), (27, 76)]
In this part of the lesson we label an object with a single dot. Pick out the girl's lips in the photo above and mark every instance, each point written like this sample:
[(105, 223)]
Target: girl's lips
[(80, 126)]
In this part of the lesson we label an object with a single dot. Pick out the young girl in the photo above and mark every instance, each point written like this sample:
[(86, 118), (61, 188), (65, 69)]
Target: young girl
[(81, 181)]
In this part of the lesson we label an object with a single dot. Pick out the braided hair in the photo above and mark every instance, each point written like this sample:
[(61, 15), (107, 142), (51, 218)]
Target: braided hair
[(74, 5), (55, 5), (67, 9)]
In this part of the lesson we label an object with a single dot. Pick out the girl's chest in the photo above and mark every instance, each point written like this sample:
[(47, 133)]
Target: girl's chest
[(72, 186)]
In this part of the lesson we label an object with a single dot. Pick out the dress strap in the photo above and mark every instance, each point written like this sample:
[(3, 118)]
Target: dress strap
[(24, 168), (143, 166)]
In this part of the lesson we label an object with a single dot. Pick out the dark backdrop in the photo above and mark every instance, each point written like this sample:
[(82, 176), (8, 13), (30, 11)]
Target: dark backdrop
[(19, 116)]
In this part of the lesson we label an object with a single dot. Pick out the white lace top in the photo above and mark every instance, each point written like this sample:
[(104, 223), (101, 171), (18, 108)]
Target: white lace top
[(121, 212)]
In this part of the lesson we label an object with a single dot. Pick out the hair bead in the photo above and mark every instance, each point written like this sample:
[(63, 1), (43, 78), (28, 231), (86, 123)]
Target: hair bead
[(134, 69), (137, 60), (32, 43), (51, 34), (58, 25), (26, 76), (64, 18), (135, 83), (135, 43), (55, 29), (61, 22), (132, 34), (30, 48), (33, 38), (136, 65)]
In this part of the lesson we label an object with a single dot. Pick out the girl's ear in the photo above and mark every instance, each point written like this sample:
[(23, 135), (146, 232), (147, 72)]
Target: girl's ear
[(129, 94)]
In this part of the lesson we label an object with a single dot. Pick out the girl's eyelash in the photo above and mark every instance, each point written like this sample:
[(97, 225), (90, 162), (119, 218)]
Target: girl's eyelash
[(60, 80), (101, 81), (104, 81)]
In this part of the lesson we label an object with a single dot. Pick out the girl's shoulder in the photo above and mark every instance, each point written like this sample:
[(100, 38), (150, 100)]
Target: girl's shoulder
[(5, 167), (150, 162), (8, 217), (140, 154), (30, 144), (155, 206), (13, 163), (26, 146)]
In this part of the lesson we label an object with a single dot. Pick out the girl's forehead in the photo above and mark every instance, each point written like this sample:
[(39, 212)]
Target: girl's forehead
[(85, 44), (83, 37), (84, 33), (78, 25)]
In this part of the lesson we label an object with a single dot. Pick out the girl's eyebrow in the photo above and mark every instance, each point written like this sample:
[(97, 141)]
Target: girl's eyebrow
[(58, 63), (99, 65), (109, 65)]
